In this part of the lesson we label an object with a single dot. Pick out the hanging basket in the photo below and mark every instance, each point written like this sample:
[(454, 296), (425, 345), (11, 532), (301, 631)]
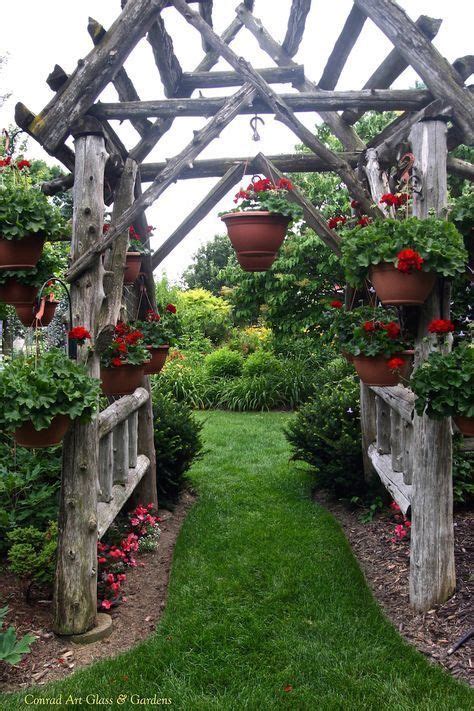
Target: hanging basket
[(396, 288), (373, 370), (158, 358), (465, 425), (133, 264), (256, 237), (28, 436), (27, 313), (21, 253), (13, 292), (123, 380)]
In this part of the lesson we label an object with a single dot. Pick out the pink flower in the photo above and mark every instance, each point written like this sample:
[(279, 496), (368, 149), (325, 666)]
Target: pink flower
[(106, 604)]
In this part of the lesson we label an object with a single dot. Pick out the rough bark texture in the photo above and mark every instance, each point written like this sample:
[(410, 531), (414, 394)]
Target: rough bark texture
[(296, 24), (215, 80), (165, 58), (75, 594), (432, 572), (342, 49)]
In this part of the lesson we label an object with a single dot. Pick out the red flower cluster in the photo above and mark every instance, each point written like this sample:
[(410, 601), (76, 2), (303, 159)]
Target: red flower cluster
[(402, 529), (409, 260), (171, 308), (394, 200), (5, 162), (23, 164), (125, 336), (336, 304), (441, 326), (113, 559), (364, 221), (391, 327), (334, 222), (394, 364), (261, 186), (152, 316), (79, 334)]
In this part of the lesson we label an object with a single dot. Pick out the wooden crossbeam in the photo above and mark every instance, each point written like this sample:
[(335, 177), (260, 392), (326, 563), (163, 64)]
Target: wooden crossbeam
[(165, 59), (121, 81), (312, 216), (345, 133), (393, 65), (215, 80), (296, 25), (437, 73), (377, 100), (51, 127), (231, 178), (167, 176), (281, 110), (205, 10), (345, 42)]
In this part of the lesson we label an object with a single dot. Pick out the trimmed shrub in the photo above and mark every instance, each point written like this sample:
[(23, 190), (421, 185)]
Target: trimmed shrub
[(32, 553), (224, 363), (261, 363), (178, 443), (326, 434)]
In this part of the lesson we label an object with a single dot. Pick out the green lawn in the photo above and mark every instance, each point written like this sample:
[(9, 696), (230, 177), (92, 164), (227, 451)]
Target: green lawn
[(265, 594)]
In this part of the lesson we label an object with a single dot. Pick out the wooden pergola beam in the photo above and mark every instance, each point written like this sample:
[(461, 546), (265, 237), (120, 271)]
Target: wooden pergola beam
[(393, 65), (296, 25), (312, 216), (231, 178), (165, 59), (168, 176), (205, 10), (345, 42), (377, 100), (437, 73), (215, 80), (51, 127), (281, 110), (345, 133)]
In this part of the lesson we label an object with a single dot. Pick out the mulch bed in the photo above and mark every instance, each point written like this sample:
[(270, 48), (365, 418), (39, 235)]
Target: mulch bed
[(53, 657), (386, 566)]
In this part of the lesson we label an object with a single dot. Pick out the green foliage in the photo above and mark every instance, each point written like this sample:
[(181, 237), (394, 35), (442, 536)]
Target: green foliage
[(250, 339), (261, 363), (224, 363), (437, 241), (444, 384), (462, 214), (344, 322), (204, 314), (160, 329), (379, 340), (463, 466), (25, 210), (12, 650), (35, 392), (32, 553), (178, 443), (326, 434), (29, 487), (206, 270), (262, 194)]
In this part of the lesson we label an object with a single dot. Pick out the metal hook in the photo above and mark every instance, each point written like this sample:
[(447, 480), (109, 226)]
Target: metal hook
[(253, 126)]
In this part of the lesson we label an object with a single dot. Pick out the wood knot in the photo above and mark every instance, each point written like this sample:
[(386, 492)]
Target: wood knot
[(92, 525), (87, 211)]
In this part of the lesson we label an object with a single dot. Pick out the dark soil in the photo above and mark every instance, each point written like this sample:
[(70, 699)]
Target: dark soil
[(145, 590), (386, 565)]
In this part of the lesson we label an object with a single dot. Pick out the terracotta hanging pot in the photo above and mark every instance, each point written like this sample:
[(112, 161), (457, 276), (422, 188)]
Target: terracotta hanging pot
[(123, 380), (158, 358), (256, 237), (465, 425), (373, 370), (21, 253), (13, 292), (28, 436), (396, 288), (26, 313), (133, 264)]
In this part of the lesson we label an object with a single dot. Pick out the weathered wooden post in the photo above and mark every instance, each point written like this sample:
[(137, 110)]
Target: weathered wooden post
[(432, 572), (75, 594)]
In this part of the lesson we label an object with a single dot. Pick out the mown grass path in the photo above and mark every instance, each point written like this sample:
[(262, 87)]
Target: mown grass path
[(265, 595)]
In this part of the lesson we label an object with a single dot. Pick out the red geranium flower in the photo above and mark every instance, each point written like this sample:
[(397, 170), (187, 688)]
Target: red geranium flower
[(23, 164), (106, 604), (152, 315), (336, 304), (262, 185), (389, 199), (409, 260), (395, 364), (364, 221), (333, 222), (171, 308), (284, 184), (116, 362), (440, 326), (79, 333), (4, 162), (392, 328), (369, 326)]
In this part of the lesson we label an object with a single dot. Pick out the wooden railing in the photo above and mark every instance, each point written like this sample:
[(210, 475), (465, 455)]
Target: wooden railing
[(121, 467)]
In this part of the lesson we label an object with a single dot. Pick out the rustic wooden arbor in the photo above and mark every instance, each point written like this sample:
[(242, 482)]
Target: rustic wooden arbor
[(106, 460)]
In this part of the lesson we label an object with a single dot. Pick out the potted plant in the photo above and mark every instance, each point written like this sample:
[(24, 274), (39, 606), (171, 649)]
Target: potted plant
[(122, 362), (158, 335), (26, 218), (258, 226), (345, 321), (443, 386), (42, 395), (39, 314), (403, 257), (378, 353), (21, 286)]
